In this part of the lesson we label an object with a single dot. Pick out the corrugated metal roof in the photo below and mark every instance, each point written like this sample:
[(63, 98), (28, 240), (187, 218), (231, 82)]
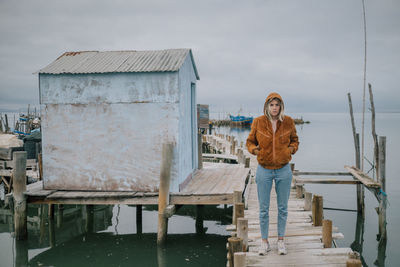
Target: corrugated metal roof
[(119, 61)]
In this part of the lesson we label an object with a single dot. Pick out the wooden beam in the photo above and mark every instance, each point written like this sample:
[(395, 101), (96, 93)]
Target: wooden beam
[(325, 181), (169, 211), (322, 173), (220, 156), (362, 177)]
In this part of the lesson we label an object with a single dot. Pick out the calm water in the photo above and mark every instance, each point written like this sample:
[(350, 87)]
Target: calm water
[(327, 145), (109, 235)]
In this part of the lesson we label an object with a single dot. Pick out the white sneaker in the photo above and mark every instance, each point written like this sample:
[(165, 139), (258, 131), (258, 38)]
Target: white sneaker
[(264, 248), (281, 247)]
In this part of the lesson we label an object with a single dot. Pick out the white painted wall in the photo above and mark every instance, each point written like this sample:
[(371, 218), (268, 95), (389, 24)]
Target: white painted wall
[(104, 131), (186, 78)]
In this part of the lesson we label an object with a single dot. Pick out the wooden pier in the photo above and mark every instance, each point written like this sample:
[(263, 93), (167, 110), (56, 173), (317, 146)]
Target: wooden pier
[(309, 239), (208, 186)]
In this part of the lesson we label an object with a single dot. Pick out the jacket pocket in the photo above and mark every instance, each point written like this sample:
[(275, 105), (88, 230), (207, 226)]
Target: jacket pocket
[(285, 138)]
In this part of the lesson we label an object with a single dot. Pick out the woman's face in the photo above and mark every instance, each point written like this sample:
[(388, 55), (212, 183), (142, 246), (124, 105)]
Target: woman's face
[(274, 108)]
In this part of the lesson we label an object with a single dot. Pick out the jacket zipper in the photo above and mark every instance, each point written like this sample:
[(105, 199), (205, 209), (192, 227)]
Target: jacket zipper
[(273, 146)]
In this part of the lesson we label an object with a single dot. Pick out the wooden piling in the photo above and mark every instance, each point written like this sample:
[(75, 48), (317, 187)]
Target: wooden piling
[(163, 192), (307, 200), (239, 212), (21, 253), (382, 181), (237, 198), (299, 191), (356, 136), (327, 233), (60, 212), (89, 224), (19, 187), (317, 210), (359, 187), (199, 219), (40, 163), (200, 151), (247, 163), (235, 244), (139, 220), (51, 211), (242, 230), (240, 259)]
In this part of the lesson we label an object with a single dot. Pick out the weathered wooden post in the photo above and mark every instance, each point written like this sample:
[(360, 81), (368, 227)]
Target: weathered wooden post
[(292, 166), (327, 233), (163, 192), (354, 260), (307, 200), (199, 219), (235, 244), (40, 163), (200, 150), (89, 219), (240, 259), (20, 208), (239, 212), (247, 163), (382, 181), (237, 198), (299, 190), (242, 230), (60, 213), (139, 227), (317, 210), (21, 253), (161, 257)]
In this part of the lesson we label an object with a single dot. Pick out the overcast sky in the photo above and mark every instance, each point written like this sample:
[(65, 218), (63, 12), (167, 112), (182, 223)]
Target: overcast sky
[(310, 51)]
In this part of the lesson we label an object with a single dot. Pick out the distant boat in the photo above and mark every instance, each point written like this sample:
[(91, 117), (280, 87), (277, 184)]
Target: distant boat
[(241, 121)]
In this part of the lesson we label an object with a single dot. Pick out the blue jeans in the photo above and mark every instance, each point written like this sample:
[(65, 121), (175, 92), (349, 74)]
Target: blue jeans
[(283, 180)]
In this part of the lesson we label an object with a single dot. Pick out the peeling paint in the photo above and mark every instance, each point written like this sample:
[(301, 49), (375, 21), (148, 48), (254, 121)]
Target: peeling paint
[(105, 131)]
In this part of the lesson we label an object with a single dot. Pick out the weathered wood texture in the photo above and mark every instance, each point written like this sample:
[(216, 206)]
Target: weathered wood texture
[(303, 240), (317, 210), (163, 192), (211, 185), (362, 177), (20, 207)]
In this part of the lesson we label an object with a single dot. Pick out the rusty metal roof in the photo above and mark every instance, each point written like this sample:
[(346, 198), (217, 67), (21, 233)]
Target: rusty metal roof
[(119, 61)]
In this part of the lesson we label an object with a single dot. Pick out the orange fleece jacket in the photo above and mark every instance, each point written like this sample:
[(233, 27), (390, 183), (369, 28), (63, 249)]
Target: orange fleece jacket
[(275, 149)]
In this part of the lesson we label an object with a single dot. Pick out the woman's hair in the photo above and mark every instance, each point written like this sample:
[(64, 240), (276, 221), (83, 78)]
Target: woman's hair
[(281, 114)]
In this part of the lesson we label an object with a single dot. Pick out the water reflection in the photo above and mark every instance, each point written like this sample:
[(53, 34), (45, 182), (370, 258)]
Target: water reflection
[(88, 236)]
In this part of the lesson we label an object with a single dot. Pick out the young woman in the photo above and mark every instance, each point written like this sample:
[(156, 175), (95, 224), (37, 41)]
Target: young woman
[(273, 139)]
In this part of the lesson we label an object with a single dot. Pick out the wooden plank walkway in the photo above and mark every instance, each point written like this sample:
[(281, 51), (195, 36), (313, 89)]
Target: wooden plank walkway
[(212, 185), (303, 240)]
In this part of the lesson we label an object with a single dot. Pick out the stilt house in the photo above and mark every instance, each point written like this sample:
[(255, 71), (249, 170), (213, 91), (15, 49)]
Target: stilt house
[(105, 116)]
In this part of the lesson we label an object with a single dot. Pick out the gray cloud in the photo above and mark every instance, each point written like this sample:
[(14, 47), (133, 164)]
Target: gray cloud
[(310, 51)]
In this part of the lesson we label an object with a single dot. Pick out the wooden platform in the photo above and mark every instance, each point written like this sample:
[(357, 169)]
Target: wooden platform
[(211, 185), (302, 239)]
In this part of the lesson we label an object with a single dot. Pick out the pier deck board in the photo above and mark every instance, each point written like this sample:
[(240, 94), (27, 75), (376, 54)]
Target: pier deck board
[(211, 185), (303, 240)]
